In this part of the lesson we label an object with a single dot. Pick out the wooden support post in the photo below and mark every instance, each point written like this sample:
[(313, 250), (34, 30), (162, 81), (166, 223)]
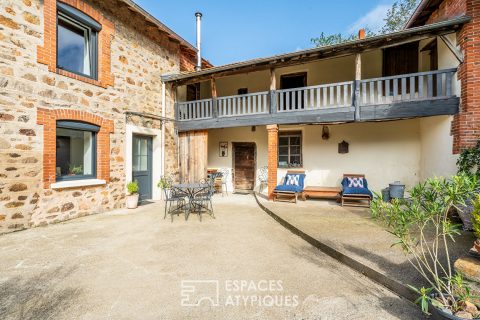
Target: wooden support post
[(273, 95), (272, 140), (356, 85), (213, 85)]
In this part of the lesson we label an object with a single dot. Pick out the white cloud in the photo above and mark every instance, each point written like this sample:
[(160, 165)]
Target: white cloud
[(372, 19)]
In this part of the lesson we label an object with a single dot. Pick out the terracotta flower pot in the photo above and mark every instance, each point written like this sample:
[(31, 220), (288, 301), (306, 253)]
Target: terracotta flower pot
[(476, 244), (132, 201)]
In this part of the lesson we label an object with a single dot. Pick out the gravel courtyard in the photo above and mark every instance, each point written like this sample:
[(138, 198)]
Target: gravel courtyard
[(130, 264)]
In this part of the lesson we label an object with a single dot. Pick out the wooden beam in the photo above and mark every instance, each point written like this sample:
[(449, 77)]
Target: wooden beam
[(213, 84), (273, 79), (457, 53), (410, 109), (358, 66)]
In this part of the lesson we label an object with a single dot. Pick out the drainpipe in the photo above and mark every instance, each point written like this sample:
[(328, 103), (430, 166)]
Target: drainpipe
[(164, 112), (198, 15)]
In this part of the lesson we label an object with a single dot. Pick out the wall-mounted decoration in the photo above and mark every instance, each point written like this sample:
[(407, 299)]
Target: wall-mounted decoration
[(325, 133), (223, 149), (343, 147)]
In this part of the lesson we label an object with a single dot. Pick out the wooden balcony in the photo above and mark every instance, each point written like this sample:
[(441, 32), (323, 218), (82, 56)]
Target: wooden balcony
[(413, 95)]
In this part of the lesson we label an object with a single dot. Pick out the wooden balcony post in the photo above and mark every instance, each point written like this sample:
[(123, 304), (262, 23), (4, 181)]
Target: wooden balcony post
[(272, 130), (356, 85), (213, 85), (273, 87)]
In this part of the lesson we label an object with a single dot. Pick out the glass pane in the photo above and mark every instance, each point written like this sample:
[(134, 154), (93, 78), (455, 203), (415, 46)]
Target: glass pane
[(283, 151), (295, 150), (283, 141), (283, 161), (143, 163), (74, 154), (295, 141), (73, 52)]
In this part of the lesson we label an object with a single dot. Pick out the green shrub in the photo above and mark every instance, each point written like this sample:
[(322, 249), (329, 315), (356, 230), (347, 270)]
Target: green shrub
[(163, 183), (476, 217), (423, 230), (132, 187)]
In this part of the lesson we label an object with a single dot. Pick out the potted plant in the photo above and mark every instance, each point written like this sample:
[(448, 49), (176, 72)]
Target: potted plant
[(74, 170), (424, 231), (163, 183), (132, 195)]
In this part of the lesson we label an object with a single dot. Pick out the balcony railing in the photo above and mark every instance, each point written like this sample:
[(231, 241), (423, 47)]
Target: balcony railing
[(245, 104), (350, 99)]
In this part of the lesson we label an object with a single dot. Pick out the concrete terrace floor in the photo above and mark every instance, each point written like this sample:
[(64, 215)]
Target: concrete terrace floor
[(130, 264), (351, 231)]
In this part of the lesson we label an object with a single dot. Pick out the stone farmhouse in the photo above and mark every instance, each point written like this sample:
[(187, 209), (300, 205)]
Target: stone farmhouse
[(96, 93)]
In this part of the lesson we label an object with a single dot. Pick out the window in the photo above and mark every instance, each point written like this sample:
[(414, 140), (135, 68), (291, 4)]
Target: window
[(75, 150), (77, 47), (290, 149)]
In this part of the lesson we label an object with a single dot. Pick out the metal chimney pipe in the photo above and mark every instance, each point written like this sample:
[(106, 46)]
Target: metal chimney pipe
[(199, 40)]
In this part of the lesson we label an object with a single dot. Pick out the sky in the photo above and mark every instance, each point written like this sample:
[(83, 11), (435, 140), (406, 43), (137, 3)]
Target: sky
[(237, 30)]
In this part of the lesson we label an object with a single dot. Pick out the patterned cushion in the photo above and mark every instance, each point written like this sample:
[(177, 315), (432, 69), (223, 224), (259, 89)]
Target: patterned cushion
[(292, 179), (355, 182)]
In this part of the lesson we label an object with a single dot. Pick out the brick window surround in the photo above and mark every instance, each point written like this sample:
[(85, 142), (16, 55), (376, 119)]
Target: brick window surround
[(47, 54), (48, 118)]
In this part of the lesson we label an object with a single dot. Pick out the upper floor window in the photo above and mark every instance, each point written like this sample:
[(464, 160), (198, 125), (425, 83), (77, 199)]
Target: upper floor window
[(76, 150), (77, 41)]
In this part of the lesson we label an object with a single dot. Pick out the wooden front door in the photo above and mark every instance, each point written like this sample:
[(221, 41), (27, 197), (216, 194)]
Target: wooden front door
[(244, 166)]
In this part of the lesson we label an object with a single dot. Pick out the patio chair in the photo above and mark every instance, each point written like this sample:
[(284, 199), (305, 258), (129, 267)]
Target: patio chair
[(225, 174), (203, 200), (292, 186), (174, 202), (355, 191), (262, 178)]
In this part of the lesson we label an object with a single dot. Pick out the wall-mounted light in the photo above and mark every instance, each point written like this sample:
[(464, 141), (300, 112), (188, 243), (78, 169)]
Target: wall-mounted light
[(325, 133)]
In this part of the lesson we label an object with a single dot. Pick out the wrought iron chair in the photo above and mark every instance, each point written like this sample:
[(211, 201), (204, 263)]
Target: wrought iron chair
[(203, 199), (225, 174), (176, 198), (262, 178)]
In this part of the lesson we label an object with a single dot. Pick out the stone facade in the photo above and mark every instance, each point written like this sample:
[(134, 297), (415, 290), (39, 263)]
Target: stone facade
[(30, 87)]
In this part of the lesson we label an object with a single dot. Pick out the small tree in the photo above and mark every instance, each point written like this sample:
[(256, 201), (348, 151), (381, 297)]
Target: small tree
[(423, 229), (397, 17)]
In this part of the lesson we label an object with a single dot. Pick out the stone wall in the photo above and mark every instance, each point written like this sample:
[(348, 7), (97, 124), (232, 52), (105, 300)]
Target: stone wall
[(139, 55)]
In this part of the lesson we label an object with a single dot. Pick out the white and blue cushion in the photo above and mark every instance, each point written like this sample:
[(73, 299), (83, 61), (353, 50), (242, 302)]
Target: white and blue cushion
[(355, 182), (355, 186), (293, 182)]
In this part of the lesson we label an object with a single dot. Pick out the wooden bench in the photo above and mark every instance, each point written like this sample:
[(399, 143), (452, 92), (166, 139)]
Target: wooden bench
[(321, 192)]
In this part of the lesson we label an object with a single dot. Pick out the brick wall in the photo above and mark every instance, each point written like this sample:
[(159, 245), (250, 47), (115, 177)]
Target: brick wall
[(466, 124), (32, 90)]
